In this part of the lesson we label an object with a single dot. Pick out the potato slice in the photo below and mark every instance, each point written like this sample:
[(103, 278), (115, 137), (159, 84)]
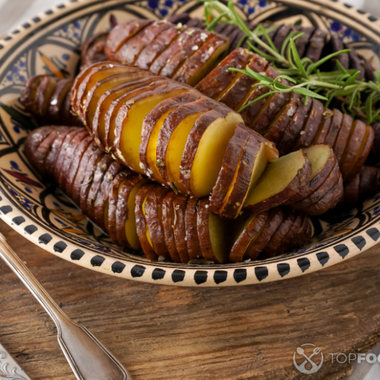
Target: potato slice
[(54, 150), (28, 93), (230, 167), (141, 225), (203, 61), (62, 153), (68, 159), (104, 119), (179, 230), (191, 40), (328, 201), (125, 214), (294, 127), (57, 98), (363, 153), (44, 93), (129, 120), (125, 95), (291, 240), (213, 234), (70, 176), (246, 229), (158, 45), (258, 245), (306, 136), (281, 179), (151, 128), (344, 136), (322, 160), (91, 168), (167, 224), (324, 127), (100, 88), (254, 157), (333, 132), (111, 205), (276, 129), (273, 248), (192, 241), (130, 50), (356, 141), (220, 78), (89, 77), (97, 180), (92, 51), (173, 136), (36, 150), (153, 217), (209, 154), (100, 211), (330, 181), (121, 33)]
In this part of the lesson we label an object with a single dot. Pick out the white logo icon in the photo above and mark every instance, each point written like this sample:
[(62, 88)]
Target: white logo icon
[(310, 360)]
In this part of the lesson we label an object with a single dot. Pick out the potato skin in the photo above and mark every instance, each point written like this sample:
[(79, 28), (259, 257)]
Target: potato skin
[(92, 50), (52, 107), (192, 241), (328, 201), (230, 164), (153, 220), (167, 224), (332, 179), (193, 140), (141, 225), (179, 232), (299, 182), (269, 229), (317, 181), (218, 79), (343, 137), (241, 244), (151, 119)]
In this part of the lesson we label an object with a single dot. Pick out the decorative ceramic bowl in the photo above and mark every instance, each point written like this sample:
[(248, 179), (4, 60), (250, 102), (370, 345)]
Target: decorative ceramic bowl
[(50, 43)]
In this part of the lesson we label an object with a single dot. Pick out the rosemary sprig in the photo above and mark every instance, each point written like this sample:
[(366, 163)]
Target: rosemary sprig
[(358, 97)]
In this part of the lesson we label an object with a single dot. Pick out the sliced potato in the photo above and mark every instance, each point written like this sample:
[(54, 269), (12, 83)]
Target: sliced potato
[(193, 245), (281, 179), (173, 136), (129, 120), (258, 245), (167, 224), (209, 155), (121, 33), (246, 229), (220, 78), (203, 61), (344, 136), (151, 128), (213, 234), (179, 229), (141, 224), (153, 217), (322, 160)]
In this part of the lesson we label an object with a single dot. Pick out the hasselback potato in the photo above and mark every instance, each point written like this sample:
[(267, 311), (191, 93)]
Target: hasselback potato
[(184, 140), (140, 214)]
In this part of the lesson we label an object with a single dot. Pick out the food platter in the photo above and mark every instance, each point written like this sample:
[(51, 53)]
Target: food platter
[(50, 44)]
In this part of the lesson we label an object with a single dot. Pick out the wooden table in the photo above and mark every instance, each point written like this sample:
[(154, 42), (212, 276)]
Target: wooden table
[(161, 332)]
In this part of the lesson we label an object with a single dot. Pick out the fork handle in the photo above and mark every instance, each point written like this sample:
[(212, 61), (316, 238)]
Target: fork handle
[(88, 358)]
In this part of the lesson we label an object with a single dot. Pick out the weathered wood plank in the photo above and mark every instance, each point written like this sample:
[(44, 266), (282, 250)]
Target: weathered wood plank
[(161, 332)]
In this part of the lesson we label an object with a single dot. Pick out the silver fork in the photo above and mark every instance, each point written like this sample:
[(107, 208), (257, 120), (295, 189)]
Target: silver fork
[(88, 358)]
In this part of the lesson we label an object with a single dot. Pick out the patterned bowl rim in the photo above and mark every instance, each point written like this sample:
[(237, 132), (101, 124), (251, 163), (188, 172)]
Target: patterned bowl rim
[(245, 273)]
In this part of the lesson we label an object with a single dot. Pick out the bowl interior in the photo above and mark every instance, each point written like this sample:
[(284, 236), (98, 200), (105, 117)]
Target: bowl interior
[(50, 44)]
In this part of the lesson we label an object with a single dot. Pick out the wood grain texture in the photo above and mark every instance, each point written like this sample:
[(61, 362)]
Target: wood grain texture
[(161, 332)]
